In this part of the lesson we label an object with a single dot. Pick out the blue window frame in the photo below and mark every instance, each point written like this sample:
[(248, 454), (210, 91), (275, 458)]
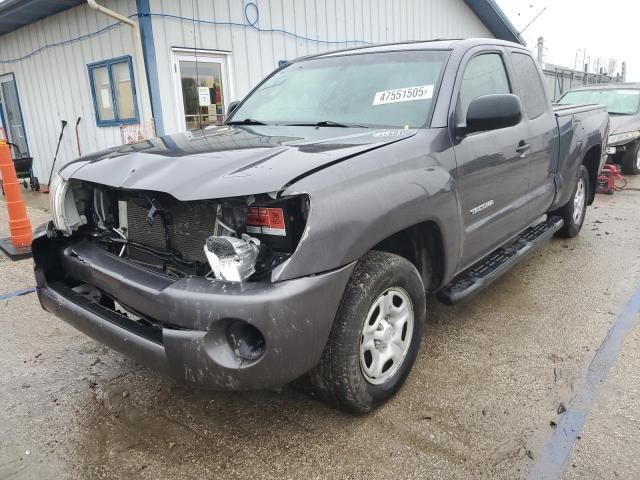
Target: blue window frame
[(114, 92)]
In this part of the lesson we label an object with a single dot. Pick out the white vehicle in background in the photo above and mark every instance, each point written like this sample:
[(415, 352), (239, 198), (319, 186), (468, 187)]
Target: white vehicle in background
[(623, 102)]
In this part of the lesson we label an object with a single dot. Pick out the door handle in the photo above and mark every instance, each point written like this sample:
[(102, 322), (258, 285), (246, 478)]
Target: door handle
[(523, 147)]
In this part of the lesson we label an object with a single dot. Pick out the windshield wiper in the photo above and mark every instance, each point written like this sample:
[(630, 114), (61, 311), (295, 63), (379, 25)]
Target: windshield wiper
[(326, 123), (246, 121)]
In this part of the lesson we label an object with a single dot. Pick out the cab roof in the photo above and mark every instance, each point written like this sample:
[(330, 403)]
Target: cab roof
[(437, 44)]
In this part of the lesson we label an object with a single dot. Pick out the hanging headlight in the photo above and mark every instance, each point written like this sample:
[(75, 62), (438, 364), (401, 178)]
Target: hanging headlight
[(64, 210), (232, 259)]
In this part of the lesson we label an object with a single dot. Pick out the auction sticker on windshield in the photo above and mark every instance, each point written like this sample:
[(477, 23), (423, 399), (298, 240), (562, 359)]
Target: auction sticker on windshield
[(408, 94)]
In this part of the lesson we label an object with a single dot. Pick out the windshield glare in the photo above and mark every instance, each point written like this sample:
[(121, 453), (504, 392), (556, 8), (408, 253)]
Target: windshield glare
[(620, 102), (391, 89)]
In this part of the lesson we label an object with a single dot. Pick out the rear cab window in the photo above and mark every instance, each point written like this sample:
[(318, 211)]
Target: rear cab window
[(532, 92)]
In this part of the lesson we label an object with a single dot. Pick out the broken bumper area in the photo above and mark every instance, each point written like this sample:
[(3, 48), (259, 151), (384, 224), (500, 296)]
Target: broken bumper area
[(210, 333)]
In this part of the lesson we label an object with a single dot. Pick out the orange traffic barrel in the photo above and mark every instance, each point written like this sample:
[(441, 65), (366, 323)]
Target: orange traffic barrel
[(18, 245)]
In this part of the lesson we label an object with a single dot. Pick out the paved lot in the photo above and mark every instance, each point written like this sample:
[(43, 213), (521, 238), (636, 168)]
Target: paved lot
[(490, 378)]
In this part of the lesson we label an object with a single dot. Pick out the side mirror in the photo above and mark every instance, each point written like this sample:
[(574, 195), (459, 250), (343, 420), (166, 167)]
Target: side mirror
[(491, 112), (232, 107)]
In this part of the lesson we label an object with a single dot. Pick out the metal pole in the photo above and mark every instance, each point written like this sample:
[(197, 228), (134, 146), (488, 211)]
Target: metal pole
[(540, 50)]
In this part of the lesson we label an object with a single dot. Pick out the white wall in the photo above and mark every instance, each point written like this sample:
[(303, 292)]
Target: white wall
[(53, 84), (254, 54)]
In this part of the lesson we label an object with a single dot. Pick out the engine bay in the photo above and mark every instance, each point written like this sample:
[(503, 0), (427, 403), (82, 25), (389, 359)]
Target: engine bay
[(191, 238)]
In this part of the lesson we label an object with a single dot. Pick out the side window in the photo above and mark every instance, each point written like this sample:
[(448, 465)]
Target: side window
[(483, 75), (533, 93)]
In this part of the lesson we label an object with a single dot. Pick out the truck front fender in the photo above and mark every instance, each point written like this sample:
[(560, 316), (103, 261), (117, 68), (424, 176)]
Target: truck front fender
[(359, 203)]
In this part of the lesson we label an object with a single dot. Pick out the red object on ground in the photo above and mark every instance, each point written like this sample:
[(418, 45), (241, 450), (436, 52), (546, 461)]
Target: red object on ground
[(19, 224), (610, 179)]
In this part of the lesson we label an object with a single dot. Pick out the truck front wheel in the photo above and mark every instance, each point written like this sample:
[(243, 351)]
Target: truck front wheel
[(376, 334), (574, 211)]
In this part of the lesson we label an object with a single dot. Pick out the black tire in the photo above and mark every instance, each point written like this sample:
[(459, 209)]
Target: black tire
[(631, 160), (571, 226), (339, 376)]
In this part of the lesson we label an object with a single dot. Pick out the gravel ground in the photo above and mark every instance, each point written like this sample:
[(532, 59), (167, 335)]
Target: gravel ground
[(478, 404)]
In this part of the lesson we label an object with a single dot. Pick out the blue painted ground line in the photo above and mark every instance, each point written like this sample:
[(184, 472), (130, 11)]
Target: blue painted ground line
[(17, 293), (551, 462)]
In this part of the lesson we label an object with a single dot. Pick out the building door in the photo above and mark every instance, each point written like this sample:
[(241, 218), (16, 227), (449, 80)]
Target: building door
[(11, 115), (202, 89)]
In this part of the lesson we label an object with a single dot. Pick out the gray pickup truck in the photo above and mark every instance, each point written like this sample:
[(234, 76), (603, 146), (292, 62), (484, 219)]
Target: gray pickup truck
[(303, 236)]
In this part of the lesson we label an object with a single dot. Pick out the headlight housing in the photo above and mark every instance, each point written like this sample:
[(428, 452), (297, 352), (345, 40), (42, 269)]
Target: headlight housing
[(232, 259), (620, 138), (64, 210), (273, 227)]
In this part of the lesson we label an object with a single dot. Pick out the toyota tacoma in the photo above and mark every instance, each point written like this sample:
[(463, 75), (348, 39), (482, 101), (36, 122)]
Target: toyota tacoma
[(303, 235)]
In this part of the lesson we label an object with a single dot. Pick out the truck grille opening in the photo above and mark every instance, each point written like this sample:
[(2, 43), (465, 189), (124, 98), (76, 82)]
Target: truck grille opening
[(183, 227), (161, 233)]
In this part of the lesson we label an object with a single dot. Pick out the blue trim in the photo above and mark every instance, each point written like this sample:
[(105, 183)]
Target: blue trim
[(149, 54), (16, 293), (24, 128), (495, 20), (108, 64), (551, 461)]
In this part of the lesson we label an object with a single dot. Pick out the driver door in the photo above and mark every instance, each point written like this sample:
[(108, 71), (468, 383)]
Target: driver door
[(493, 176)]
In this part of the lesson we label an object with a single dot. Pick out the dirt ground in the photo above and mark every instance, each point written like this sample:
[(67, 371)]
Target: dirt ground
[(481, 402)]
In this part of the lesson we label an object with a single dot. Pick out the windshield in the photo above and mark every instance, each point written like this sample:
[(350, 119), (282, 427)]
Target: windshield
[(391, 89), (619, 102)]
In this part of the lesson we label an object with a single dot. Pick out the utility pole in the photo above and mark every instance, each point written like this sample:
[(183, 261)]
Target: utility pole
[(541, 51)]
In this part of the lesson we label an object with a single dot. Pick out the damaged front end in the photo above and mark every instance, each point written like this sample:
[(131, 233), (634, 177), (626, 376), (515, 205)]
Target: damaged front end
[(186, 287), (234, 239)]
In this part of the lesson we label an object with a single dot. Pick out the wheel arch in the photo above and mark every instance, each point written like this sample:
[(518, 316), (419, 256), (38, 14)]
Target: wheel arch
[(591, 161), (422, 245)]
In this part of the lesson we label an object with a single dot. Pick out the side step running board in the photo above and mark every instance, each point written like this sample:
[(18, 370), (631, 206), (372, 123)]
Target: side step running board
[(485, 272)]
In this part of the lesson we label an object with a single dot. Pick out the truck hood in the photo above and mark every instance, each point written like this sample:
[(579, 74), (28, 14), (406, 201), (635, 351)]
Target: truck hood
[(228, 161), (624, 123)]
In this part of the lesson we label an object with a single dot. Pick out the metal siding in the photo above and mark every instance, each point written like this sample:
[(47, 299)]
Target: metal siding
[(255, 54), (54, 83)]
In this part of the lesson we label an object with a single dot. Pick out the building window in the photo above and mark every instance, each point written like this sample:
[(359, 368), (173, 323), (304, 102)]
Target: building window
[(114, 92)]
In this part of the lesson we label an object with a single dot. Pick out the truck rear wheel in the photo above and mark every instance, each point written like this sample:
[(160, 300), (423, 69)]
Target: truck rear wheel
[(376, 334), (631, 160), (574, 211)]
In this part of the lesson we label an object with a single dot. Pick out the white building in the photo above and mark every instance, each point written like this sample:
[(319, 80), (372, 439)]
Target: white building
[(122, 77)]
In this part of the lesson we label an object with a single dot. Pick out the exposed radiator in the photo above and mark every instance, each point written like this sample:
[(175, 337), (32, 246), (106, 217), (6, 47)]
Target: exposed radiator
[(183, 227)]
